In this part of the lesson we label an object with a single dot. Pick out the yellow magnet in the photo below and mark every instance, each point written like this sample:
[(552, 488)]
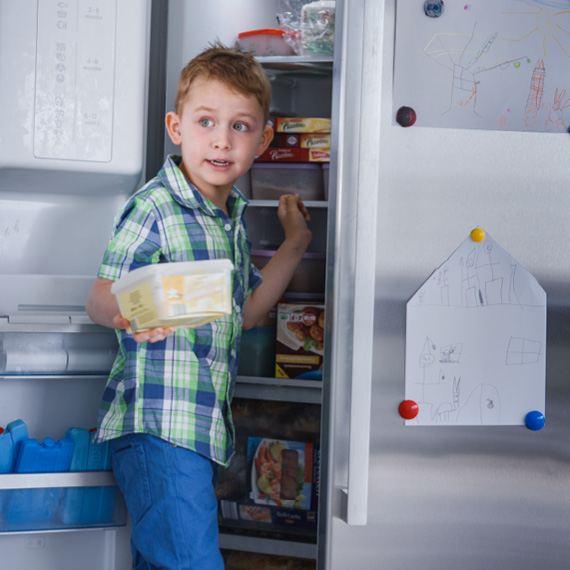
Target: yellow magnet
[(477, 234)]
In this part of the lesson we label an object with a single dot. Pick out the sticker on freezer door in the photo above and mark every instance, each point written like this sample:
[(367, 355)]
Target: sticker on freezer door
[(476, 340)]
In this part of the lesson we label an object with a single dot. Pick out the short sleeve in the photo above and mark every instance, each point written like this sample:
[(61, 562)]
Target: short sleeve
[(255, 278), (136, 241)]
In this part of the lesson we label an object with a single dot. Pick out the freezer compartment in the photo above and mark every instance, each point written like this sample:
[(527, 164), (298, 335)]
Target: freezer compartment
[(272, 485), (59, 501)]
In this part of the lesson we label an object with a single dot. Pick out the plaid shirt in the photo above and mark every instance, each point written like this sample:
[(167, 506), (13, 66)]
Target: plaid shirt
[(178, 389)]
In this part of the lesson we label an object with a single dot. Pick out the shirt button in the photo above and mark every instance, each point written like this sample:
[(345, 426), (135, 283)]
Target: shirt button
[(228, 227), (238, 309)]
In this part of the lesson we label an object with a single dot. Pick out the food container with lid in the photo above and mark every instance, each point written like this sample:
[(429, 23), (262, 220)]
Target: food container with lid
[(188, 293), (269, 180), (269, 41)]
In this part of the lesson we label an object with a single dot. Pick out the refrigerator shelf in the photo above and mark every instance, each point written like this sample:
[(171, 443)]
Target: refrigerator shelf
[(303, 63), (230, 541), (67, 479), (279, 389), (275, 203)]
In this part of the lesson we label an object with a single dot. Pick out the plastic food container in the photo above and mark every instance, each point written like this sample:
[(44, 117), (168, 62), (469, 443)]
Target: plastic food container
[(189, 293), (269, 41), (326, 169), (257, 352), (269, 181), (309, 276)]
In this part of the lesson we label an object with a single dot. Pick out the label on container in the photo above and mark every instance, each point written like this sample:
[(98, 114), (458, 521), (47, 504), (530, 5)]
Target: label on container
[(314, 140), (190, 294), (75, 79), (302, 125), (138, 307)]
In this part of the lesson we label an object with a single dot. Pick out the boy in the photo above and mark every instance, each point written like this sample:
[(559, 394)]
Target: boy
[(166, 407)]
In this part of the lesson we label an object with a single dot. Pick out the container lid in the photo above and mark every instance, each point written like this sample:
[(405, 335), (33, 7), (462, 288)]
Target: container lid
[(139, 274), (272, 31), (290, 165)]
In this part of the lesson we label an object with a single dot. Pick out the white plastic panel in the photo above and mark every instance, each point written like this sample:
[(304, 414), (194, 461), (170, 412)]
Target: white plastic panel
[(75, 79), (72, 95)]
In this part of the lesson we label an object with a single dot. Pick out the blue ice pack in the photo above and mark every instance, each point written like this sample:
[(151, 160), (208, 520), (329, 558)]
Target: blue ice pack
[(10, 440)]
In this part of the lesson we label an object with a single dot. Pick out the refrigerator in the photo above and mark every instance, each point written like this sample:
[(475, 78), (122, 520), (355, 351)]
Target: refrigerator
[(402, 198)]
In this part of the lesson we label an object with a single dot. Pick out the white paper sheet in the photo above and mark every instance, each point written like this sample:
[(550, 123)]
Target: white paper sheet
[(476, 340), (485, 64)]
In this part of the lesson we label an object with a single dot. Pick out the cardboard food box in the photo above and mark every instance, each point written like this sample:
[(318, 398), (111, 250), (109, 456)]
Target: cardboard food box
[(295, 154), (299, 348), (282, 483), (189, 293), (302, 125)]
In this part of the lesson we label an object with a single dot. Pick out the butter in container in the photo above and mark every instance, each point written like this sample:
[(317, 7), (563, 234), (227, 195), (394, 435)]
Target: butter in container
[(181, 294)]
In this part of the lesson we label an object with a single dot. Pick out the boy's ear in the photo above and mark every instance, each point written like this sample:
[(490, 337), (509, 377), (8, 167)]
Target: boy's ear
[(266, 138), (172, 122)]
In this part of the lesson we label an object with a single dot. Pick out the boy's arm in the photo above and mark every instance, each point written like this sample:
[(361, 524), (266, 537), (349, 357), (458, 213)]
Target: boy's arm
[(279, 271), (102, 308)]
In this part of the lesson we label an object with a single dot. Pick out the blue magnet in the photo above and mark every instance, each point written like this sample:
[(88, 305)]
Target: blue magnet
[(433, 8), (534, 420)]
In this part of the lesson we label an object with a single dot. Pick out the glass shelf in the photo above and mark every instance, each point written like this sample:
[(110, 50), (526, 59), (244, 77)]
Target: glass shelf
[(304, 63), (279, 389), (276, 547), (275, 203)]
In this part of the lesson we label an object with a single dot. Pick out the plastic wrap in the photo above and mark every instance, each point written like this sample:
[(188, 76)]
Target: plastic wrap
[(309, 26)]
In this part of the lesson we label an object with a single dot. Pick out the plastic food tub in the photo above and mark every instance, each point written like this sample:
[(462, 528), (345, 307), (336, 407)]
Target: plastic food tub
[(269, 41), (309, 276), (189, 293), (270, 180)]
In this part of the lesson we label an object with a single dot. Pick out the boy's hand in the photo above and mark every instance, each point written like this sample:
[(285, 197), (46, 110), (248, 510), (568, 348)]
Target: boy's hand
[(150, 335), (294, 217)]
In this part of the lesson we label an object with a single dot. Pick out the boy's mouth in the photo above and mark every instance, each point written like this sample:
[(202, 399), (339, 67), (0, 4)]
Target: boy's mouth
[(219, 162)]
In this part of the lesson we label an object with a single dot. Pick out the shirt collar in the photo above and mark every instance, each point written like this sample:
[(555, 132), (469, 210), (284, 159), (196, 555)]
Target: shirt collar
[(188, 195)]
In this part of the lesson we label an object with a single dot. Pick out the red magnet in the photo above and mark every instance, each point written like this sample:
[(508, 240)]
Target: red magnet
[(409, 409), (405, 116)]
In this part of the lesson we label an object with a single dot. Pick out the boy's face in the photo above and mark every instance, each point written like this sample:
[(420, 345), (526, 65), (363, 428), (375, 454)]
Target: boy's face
[(221, 132)]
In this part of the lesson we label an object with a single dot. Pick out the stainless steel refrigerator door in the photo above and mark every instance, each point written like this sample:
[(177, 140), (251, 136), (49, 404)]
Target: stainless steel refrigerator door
[(438, 497)]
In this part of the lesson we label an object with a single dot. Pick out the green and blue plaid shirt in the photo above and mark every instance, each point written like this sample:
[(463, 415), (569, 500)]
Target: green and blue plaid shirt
[(178, 389)]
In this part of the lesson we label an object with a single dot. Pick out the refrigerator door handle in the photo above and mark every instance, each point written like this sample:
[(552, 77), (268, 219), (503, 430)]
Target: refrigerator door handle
[(362, 73)]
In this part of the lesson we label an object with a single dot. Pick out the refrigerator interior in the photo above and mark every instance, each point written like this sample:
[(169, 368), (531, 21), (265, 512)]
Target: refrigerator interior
[(264, 406), (73, 112), (465, 497)]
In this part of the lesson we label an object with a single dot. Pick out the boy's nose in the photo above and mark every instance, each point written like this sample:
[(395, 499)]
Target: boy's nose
[(222, 139)]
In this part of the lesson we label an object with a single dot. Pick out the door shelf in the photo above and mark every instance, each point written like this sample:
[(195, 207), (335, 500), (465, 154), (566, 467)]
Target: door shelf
[(32, 502), (279, 389)]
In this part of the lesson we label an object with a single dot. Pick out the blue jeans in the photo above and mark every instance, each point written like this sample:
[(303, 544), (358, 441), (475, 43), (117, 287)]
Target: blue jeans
[(170, 496)]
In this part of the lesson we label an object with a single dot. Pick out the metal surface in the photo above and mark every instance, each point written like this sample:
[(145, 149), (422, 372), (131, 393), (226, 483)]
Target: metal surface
[(457, 497)]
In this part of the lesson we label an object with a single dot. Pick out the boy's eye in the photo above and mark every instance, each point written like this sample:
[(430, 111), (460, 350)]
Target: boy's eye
[(206, 122), (241, 127)]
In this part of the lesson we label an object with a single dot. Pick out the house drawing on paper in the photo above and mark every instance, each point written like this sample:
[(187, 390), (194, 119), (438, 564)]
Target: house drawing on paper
[(476, 340)]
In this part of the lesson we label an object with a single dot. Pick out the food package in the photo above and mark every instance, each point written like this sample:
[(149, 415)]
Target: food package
[(302, 125), (189, 293), (317, 27), (299, 348), (265, 42), (283, 483)]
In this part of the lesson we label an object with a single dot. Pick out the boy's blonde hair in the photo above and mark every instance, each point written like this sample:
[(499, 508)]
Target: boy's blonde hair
[(239, 71)]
